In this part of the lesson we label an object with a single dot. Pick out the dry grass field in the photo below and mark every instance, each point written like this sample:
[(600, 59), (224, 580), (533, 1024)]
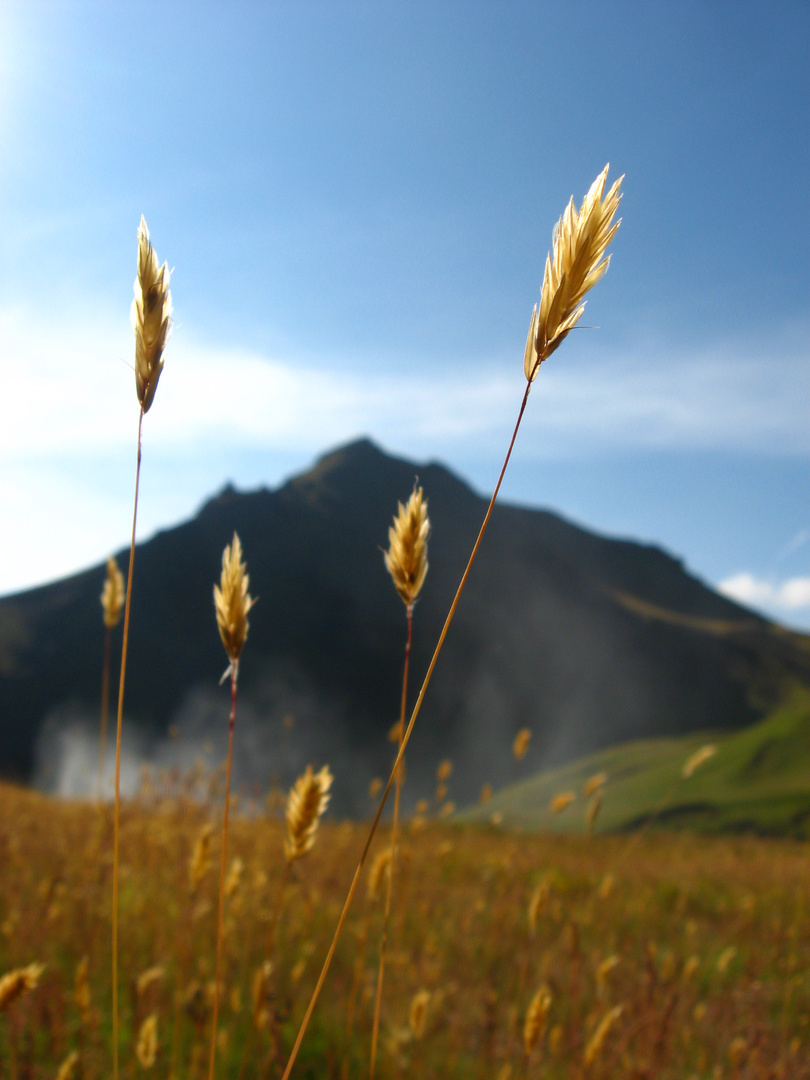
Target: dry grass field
[(683, 956)]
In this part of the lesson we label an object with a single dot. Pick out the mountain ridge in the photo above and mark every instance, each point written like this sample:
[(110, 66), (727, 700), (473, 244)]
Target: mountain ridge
[(587, 640)]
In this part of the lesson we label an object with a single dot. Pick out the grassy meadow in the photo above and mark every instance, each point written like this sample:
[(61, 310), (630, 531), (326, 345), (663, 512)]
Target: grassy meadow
[(686, 957), (756, 781)]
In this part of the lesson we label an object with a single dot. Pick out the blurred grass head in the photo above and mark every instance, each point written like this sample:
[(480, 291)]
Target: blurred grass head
[(151, 316), (577, 263), (307, 801), (112, 595)]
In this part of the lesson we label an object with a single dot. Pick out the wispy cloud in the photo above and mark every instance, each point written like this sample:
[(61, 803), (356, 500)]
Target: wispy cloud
[(69, 390), (790, 595)]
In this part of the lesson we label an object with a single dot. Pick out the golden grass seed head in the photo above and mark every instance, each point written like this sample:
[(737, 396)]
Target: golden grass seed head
[(260, 993), (562, 801), (486, 794), (18, 982), (148, 978), (737, 1050), (594, 783), (538, 904), (112, 595), (406, 558), (606, 886), (597, 1040), (593, 809), (68, 1068), (536, 1015), (417, 1016), (579, 244), (690, 967), (308, 798), (604, 970), (147, 1044), (725, 958), (444, 770), (375, 787), (521, 743), (232, 601), (199, 862), (700, 757), (234, 878), (151, 317), (380, 869), (82, 987)]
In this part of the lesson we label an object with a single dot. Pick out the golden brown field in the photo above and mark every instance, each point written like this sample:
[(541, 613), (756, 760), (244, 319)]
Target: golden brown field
[(687, 958)]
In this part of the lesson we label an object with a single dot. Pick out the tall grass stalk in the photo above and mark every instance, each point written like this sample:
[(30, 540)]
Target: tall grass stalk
[(390, 879), (579, 243), (232, 602), (151, 317), (116, 812), (406, 561), (221, 905), (105, 709)]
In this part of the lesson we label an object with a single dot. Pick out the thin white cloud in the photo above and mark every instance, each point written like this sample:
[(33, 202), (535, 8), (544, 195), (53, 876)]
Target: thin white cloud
[(790, 595), (70, 390)]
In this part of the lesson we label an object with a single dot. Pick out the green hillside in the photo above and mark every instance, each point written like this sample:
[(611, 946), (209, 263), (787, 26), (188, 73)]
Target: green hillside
[(758, 780)]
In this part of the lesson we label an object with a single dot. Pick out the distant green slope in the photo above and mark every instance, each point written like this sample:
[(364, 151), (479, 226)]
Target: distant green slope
[(758, 781)]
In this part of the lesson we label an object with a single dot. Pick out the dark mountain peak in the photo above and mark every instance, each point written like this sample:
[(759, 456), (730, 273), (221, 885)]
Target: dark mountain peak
[(584, 639), (363, 476)]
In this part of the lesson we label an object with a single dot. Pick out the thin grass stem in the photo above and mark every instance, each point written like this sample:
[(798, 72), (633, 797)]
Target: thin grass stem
[(403, 744), (268, 951), (218, 968), (105, 708), (390, 884), (116, 812)]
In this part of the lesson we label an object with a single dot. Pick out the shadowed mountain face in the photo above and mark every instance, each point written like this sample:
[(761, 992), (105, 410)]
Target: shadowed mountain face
[(584, 640)]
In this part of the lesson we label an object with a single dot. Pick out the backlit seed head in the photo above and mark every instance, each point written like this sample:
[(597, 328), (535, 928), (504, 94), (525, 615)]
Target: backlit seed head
[(536, 1016), (232, 601), (596, 1042), (593, 808), (148, 978), (147, 1044), (151, 317), (82, 987), (18, 982), (521, 743), (594, 783), (199, 862), (406, 558), (418, 1013), (444, 770), (577, 263), (562, 801), (380, 869), (700, 757), (309, 797), (112, 595), (69, 1067)]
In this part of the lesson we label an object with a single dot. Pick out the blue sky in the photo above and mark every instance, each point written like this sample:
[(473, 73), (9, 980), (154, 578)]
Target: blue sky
[(357, 200)]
